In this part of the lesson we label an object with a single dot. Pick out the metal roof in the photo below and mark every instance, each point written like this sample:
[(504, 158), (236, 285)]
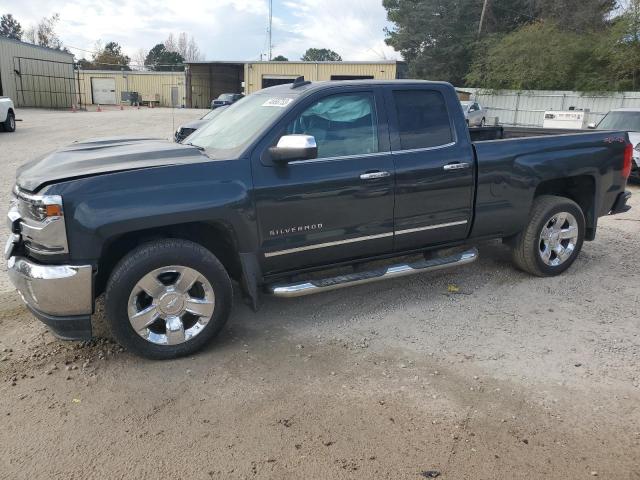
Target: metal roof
[(247, 62), (32, 45)]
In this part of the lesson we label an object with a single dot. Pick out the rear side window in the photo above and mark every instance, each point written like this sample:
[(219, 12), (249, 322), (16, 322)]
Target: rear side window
[(423, 120)]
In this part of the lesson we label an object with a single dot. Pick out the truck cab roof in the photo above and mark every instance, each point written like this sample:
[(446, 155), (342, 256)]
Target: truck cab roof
[(289, 89)]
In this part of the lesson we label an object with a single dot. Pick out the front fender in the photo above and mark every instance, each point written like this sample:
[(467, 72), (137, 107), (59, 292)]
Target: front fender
[(102, 208)]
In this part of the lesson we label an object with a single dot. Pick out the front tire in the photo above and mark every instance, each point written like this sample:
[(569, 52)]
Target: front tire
[(9, 125), (553, 238), (167, 299)]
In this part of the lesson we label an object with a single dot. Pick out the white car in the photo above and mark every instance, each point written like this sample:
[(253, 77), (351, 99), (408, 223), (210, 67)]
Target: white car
[(474, 113), (7, 115), (625, 119)]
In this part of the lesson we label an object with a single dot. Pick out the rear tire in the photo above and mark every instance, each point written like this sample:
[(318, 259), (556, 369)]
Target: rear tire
[(9, 125), (553, 238), (167, 299)]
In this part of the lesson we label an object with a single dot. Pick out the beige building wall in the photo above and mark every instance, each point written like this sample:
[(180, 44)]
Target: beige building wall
[(34, 76), (255, 72), (148, 84)]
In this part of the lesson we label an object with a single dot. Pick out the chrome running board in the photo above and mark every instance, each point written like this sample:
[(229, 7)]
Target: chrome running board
[(289, 290)]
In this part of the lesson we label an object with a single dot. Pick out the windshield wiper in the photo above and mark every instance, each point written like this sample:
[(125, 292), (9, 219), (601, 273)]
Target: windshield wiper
[(196, 146)]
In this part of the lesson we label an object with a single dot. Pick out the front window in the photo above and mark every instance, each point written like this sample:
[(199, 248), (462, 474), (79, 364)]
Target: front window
[(627, 121), (231, 131), (213, 113), (342, 125)]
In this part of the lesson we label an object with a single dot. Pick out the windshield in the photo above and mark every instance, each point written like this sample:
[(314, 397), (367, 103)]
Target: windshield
[(627, 121), (466, 104), (213, 113), (230, 132), (227, 97)]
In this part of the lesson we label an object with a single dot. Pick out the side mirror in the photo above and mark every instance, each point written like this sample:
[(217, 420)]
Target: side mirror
[(592, 125), (294, 147)]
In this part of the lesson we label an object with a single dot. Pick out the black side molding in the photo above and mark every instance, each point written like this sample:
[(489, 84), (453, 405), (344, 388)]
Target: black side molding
[(620, 205)]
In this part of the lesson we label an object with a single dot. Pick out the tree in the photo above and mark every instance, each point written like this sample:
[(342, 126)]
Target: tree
[(620, 50), (440, 39), (185, 46), (44, 33), (160, 59), (109, 57), (540, 56), (434, 36), (280, 58), (10, 27), (139, 58), (320, 55)]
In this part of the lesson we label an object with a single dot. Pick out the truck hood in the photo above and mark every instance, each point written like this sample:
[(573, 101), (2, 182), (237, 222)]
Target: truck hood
[(195, 124), (100, 156)]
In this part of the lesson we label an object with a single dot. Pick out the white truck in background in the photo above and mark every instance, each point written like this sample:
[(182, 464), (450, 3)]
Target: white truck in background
[(7, 115)]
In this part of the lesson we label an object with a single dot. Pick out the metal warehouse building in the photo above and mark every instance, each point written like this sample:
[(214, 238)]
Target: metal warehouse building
[(206, 80), (35, 76), (105, 87)]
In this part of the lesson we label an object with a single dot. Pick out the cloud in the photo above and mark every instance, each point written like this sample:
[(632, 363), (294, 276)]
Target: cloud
[(354, 29), (223, 29)]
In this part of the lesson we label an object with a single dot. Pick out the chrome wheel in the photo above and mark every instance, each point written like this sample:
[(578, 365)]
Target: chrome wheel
[(171, 305), (12, 123), (558, 239)]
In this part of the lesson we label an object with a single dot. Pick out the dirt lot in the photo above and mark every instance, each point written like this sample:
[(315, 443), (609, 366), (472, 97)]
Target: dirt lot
[(510, 377)]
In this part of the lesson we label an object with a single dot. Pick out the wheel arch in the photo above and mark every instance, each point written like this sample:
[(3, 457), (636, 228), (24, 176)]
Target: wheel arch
[(582, 190), (218, 237)]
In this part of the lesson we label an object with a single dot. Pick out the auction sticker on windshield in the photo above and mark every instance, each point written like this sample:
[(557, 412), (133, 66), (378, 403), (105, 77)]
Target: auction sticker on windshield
[(277, 102)]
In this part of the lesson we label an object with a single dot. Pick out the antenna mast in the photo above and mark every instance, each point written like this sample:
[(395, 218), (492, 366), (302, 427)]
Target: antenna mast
[(270, 27)]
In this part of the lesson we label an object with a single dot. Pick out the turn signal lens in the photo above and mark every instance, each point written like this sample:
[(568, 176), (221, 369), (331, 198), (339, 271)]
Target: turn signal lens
[(53, 210)]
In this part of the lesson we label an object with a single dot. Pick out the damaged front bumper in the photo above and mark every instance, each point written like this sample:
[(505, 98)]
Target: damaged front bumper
[(61, 296)]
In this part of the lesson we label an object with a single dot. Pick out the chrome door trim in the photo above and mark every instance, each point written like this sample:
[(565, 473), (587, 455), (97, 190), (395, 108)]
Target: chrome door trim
[(327, 244), (361, 239), (431, 227), (427, 149), (337, 158)]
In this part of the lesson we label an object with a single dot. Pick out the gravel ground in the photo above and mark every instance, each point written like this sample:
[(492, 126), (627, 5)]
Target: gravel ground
[(509, 377)]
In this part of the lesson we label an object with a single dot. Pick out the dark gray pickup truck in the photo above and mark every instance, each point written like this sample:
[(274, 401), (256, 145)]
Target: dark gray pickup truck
[(296, 189)]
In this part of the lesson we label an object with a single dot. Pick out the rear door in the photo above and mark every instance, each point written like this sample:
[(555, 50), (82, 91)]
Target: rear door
[(434, 169), (338, 206)]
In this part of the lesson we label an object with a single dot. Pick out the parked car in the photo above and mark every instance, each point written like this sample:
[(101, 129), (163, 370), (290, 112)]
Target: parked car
[(188, 128), (625, 119), (7, 115), (298, 189), (474, 114), (225, 99)]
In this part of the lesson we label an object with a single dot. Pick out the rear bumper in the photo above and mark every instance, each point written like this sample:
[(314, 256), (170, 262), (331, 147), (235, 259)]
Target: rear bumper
[(61, 296), (620, 205)]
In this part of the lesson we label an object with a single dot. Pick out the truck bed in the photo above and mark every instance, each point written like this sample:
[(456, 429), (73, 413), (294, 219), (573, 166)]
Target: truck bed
[(481, 134)]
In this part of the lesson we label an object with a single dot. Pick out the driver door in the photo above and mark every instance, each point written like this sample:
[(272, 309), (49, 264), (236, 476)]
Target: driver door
[(338, 206)]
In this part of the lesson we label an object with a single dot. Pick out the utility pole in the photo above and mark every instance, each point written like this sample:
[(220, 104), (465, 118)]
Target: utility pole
[(484, 11), (270, 28)]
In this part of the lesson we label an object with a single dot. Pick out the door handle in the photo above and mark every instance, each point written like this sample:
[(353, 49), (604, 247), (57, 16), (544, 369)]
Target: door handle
[(374, 175), (456, 166)]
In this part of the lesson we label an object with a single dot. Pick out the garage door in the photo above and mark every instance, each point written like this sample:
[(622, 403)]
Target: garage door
[(103, 91)]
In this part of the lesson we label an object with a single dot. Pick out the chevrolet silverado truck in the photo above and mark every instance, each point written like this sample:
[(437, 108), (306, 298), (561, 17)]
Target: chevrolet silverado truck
[(7, 115), (295, 189)]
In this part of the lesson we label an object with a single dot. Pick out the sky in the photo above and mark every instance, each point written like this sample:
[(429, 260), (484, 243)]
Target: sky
[(223, 29)]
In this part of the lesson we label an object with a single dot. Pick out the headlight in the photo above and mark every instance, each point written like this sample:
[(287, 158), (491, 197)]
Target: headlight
[(40, 221)]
